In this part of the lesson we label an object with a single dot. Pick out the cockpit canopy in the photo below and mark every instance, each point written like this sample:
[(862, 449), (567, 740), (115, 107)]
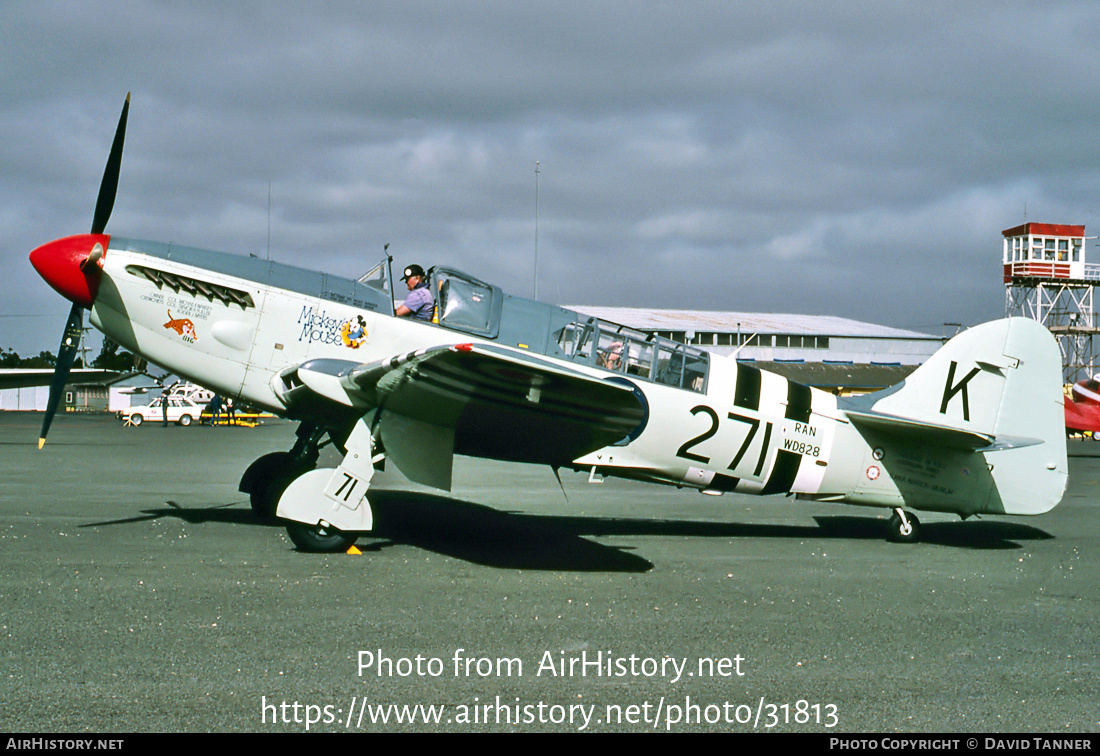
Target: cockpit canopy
[(466, 304), (623, 350)]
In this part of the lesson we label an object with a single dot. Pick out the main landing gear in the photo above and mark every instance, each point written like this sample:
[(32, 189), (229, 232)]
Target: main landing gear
[(904, 526), (324, 509), (265, 479)]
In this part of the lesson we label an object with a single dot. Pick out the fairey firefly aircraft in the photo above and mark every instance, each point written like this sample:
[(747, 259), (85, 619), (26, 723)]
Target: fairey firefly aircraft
[(978, 429)]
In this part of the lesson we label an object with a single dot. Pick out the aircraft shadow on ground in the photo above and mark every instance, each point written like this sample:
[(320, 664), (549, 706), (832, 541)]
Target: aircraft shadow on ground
[(513, 540), (471, 532), (974, 534)]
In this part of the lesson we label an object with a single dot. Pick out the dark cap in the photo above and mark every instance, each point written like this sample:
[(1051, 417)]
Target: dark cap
[(413, 270)]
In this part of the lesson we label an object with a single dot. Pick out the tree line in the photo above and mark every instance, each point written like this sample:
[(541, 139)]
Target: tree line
[(110, 357)]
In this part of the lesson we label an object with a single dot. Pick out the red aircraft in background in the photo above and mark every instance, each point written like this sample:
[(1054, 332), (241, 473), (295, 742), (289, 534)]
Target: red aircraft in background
[(1083, 408)]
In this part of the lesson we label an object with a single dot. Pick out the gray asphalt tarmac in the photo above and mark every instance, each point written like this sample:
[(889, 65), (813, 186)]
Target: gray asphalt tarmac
[(140, 594)]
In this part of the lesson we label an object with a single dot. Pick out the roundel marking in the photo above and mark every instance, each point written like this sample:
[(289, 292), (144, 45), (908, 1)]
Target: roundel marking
[(640, 396)]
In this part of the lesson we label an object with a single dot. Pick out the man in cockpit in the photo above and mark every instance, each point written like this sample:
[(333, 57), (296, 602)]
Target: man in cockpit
[(419, 304)]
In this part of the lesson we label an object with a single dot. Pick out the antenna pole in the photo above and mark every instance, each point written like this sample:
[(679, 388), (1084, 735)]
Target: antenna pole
[(536, 296)]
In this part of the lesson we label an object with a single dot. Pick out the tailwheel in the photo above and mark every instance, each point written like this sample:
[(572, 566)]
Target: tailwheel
[(319, 539), (904, 526)]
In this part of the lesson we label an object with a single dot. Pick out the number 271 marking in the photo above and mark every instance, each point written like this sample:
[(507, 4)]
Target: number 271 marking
[(754, 425)]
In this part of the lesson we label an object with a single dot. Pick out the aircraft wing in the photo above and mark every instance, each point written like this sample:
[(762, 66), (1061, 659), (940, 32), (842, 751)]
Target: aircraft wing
[(28, 377), (476, 399)]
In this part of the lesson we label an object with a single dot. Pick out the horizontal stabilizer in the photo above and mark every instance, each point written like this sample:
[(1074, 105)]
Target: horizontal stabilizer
[(940, 435)]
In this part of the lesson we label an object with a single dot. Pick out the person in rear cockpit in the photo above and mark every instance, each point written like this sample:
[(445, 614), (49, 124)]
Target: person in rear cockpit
[(419, 304), (611, 358)]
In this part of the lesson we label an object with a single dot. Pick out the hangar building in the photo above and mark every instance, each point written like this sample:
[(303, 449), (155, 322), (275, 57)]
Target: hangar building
[(836, 354)]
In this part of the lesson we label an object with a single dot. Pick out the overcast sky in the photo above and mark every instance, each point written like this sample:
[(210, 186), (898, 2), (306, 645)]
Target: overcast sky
[(857, 159)]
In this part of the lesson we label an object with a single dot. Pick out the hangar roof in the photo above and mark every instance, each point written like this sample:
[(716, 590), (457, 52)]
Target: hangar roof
[(746, 322)]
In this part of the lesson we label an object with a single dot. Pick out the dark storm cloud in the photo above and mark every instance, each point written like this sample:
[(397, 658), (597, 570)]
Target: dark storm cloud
[(851, 159)]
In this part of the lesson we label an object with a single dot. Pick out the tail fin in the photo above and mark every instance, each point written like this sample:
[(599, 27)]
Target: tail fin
[(995, 389)]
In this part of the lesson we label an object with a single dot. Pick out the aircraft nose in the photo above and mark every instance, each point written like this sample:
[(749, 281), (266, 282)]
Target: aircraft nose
[(72, 266)]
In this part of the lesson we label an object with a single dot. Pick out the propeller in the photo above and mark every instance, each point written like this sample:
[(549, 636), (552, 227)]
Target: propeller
[(109, 185), (86, 268)]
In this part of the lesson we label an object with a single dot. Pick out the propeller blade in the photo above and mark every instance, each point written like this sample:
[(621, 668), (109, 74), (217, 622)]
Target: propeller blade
[(109, 186), (57, 257), (66, 355)]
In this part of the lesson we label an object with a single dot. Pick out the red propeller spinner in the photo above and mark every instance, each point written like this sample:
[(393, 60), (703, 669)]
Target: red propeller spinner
[(72, 266)]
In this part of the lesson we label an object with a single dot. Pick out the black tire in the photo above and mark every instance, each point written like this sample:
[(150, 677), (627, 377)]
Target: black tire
[(901, 533), (266, 479), (265, 500), (315, 539), (184, 420), (136, 419)]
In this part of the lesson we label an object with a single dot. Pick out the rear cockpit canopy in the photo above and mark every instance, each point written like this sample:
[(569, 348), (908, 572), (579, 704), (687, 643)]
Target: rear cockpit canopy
[(466, 304)]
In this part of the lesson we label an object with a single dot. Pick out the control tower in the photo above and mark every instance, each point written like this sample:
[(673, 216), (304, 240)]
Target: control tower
[(1047, 279)]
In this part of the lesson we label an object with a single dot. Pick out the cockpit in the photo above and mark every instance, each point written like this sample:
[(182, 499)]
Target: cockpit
[(469, 305), (623, 350)]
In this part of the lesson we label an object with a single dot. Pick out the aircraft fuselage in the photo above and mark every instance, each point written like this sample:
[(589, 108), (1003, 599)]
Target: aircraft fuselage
[(232, 324), (235, 324)]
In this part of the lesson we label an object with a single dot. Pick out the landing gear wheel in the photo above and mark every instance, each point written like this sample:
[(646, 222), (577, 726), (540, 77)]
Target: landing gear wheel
[(265, 499), (319, 539), (904, 526), (266, 479)]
